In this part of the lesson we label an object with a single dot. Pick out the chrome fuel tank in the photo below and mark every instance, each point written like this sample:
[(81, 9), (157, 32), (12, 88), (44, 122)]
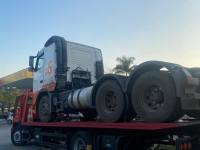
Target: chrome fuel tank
[(81, 98)]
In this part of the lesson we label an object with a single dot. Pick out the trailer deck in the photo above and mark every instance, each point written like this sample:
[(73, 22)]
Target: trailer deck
[(134, 125)]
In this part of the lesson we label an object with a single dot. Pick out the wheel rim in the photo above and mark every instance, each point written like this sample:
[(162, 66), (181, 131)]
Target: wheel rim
[(152, 97), (9, 121), (79, 144), (109, 102), (17, 137), (44, 109)]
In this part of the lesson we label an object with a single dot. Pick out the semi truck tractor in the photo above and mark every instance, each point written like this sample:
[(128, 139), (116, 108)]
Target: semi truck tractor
[(69, 79)]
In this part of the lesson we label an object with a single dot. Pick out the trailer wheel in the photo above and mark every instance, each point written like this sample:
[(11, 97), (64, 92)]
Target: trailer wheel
[(154, 98), (80, 140), (16, 137), (111, 104), (44, 109)]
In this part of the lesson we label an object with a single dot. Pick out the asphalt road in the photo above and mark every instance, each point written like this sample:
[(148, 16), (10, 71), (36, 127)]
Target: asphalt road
[(6, 144)]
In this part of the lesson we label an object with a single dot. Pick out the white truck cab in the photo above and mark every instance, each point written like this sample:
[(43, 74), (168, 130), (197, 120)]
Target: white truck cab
[(63, 62)]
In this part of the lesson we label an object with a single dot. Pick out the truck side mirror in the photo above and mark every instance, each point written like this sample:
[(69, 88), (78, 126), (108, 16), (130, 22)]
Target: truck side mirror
[(31, 61)]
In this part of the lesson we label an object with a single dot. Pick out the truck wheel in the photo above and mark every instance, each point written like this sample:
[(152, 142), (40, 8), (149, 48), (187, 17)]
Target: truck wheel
[(194, 113), (111, 104), (44, 109), (154, 98), (16, 137), (80, 140)]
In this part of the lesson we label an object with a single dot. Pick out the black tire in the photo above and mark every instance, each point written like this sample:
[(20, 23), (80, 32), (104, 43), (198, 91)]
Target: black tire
[(16, 137), (154, 98), (9, 121), (44, 109), (81, 139), (194, 113), (89, 115), (111, 104)]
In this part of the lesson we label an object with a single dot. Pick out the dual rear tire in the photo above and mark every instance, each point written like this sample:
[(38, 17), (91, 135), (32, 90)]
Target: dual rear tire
[(153, 98)]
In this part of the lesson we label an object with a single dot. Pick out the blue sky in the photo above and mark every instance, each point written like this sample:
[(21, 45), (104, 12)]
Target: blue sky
[(165, 30)]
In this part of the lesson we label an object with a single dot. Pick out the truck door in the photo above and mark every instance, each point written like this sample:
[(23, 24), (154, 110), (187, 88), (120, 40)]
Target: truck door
[(49, 64), (38, 73)]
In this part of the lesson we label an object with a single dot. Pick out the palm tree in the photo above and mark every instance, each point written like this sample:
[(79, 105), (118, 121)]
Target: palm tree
[(125, 66)]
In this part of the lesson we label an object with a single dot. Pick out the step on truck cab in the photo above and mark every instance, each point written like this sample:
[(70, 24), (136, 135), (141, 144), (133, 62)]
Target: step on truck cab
[(69, 78)]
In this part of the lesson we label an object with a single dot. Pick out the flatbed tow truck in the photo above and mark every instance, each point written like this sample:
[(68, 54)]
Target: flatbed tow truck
[(91, 135), (69, 81)]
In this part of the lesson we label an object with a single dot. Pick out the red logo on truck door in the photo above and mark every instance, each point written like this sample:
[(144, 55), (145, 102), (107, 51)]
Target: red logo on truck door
[(49, 70)]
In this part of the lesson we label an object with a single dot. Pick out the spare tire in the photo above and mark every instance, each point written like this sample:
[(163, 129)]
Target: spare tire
[(154, 98), (111, 103)]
